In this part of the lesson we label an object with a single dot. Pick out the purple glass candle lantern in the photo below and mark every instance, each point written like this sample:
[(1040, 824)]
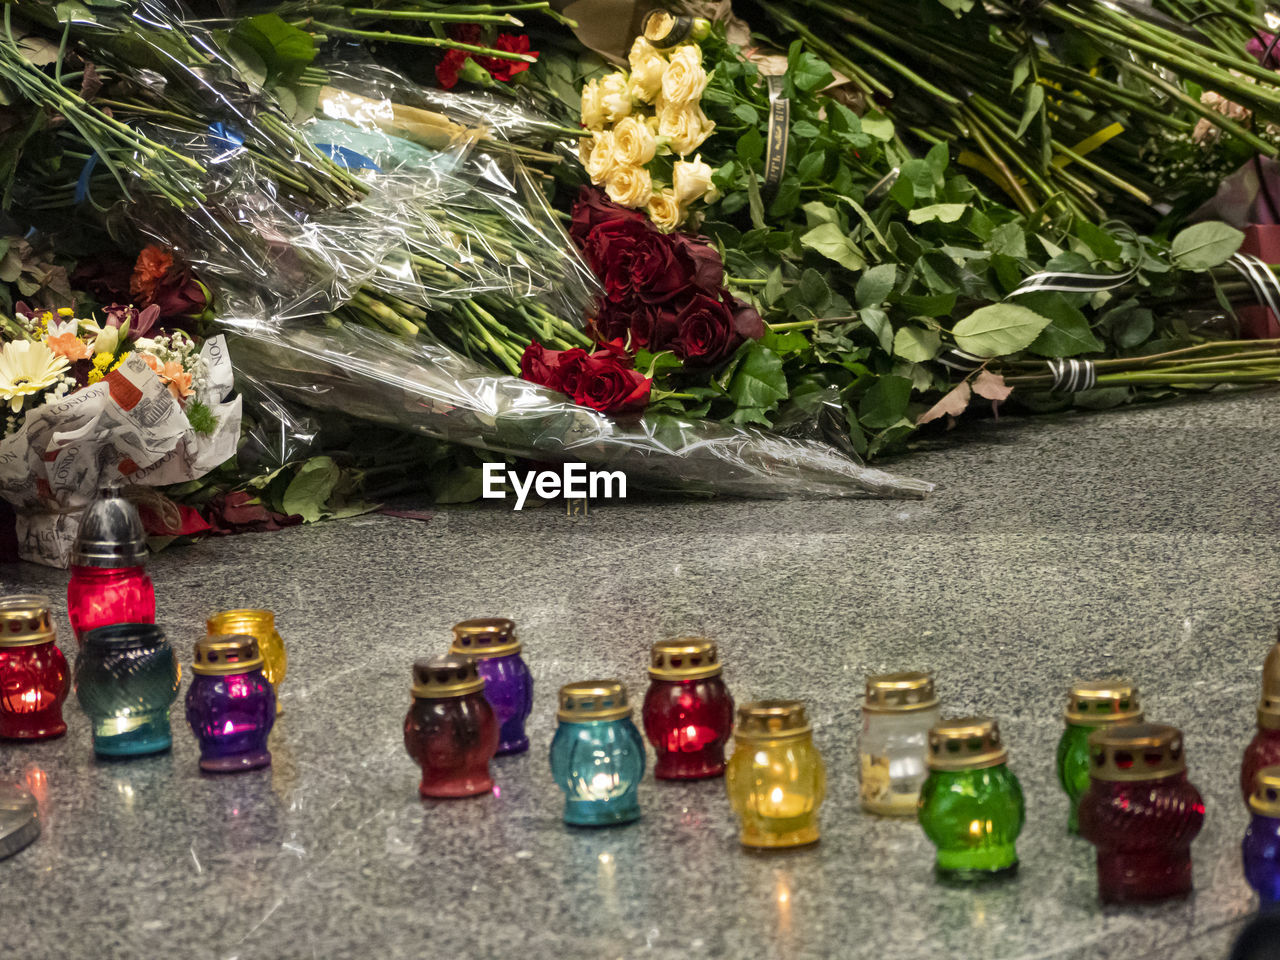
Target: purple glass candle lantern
[(508, 685), (230, 704)]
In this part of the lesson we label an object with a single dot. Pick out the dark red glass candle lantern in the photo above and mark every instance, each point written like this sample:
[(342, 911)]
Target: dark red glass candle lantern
[(1141, 813), (451, 731), (108, 582), (1264, 748), (688, 712), (34, 679)]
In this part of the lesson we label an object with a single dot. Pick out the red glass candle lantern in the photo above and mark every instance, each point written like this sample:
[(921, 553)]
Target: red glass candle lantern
[(451, 731), (34, 679), (108, 582), (688, 713), (1264, 748), (1140, 812)]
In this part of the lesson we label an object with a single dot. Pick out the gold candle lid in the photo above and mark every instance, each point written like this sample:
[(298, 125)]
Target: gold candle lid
[(900, 692), (25, 620), (590, 700), (1269, 705), (1099, 702), (1140, 751), (772, 720), (966, 743), (247, 622), (685, 658), (222, 654), (1265, 798), (446, 676), (485, 637)]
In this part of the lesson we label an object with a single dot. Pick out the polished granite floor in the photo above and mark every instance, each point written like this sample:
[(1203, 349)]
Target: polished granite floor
[(1141, 542)]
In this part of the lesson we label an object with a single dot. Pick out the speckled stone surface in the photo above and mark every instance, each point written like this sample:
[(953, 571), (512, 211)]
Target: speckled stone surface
[(1141, 542)]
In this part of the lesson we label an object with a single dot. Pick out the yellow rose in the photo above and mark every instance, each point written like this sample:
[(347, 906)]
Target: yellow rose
[(633, 142), (615, 97), (647, 68), (692, 180), (592, 106), (665, 211), (603, 158), (685, 126), (658, 25), (684, 79), (629, 186)]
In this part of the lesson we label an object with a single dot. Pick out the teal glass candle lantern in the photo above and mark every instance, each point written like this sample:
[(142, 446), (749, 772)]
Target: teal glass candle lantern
[(1090, 706), (126, 679), (971, 804), (597, 756)]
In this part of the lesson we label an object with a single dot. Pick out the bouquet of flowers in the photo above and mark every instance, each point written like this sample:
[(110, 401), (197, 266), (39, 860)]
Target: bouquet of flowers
[(837, 277), (110, 396)]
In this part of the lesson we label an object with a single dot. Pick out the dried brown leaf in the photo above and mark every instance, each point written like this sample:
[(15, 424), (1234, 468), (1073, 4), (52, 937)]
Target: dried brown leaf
[(952, 404), (992, 386)]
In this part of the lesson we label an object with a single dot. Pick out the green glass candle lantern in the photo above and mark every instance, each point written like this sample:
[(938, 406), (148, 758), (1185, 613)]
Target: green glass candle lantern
[(126, 679), (971, 804), (1089, 706)]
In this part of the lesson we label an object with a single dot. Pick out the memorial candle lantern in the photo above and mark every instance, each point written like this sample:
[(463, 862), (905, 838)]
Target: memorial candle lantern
[(775, 778), (1141, 813), (261, 625), (508, 685), (1090, 706), (231, 705), (971, 804), (450, 730), (897, 714), (1261, 847), (108, 583), (34, 679), (126, 679), (688, 712), (1264, 748), (597, 756)]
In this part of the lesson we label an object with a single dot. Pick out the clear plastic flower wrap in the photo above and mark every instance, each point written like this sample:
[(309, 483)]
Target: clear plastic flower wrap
[(431, 390)]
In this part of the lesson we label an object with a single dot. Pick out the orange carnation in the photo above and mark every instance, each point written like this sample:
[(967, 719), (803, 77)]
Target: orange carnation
[(154, 264), (68, 345)]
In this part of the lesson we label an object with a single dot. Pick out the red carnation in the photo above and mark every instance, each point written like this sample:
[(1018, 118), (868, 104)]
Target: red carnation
[(447, 69), (503, 69)]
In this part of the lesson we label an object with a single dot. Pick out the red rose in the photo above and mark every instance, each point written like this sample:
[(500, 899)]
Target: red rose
[(447, 69), (180, 297), (593, 208), (549, 367), (503, 69), (609, 385), (613, 320), (604, 380), (654, 325), (706, 331), (706, 270)]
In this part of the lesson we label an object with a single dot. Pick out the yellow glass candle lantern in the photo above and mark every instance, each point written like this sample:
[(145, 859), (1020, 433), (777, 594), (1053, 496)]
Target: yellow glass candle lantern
[(776, 779), (261, 625)]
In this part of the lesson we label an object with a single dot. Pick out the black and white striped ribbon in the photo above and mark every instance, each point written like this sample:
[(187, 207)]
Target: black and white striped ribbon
[(1266, 288), (957, 359), (1054, 281), (1072, 376)]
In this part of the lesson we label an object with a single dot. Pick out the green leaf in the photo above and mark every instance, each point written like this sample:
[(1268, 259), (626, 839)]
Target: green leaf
[(310, 488), (746, 113), (805, 70), (783, 344), (461, 485), (830, 241), (916, 344), (958, 7), (1205, 245), (885, 403), (875, 284), (810, 166), (998, 329), (877, 321), (284, 48), (759, 380), (817, 212), (751, 148), (773, 287), (1035, 100), (1068, 333), (942, 212), (877, 125), (1009, 240)]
